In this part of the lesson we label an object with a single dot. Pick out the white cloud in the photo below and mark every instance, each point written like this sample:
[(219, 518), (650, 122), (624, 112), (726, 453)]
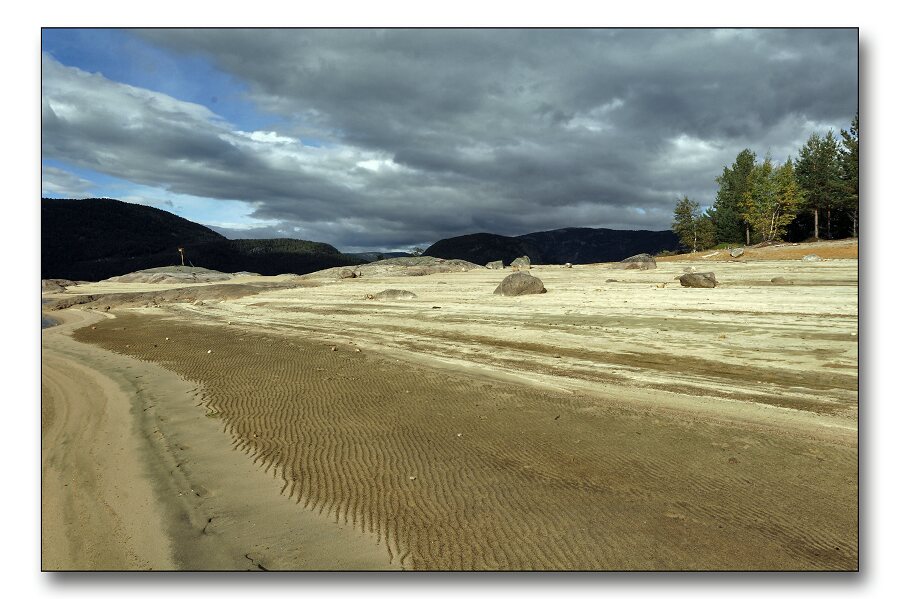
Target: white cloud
[(55, 181), (687, 150), (379, 164), (598, 119), (268, 137)]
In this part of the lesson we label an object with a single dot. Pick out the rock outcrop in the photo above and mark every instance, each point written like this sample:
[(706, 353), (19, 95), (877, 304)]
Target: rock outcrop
[(638, 262), (56, 285), (173, 275), (520, 283), (698, 279), (179, 295), (415, 266)]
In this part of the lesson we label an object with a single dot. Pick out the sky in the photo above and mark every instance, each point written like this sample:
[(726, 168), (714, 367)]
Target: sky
[(389, 139)]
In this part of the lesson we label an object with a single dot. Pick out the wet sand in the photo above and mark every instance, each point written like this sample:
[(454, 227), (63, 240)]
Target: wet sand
[(604, 425)]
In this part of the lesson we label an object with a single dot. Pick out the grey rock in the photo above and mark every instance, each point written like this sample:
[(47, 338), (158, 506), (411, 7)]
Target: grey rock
[(737, 252), (520, 283), (399, 267), (699, 279), (172, 275), (346, 273), (523, 262), (811, 258), (568, 265), (639, 262), (393, 294), (781, 281), (495, 265)]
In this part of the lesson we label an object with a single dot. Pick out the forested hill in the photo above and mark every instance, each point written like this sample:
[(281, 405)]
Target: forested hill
[(575, 245), (97, 238)]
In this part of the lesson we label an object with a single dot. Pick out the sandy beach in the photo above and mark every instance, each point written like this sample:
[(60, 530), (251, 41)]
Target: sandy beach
[(618, 421)]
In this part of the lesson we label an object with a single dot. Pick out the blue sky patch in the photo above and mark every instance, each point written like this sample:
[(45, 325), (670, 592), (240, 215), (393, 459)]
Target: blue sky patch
[(120, 55)]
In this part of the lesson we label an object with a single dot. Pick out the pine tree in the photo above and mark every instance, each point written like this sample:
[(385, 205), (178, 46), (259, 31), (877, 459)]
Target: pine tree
[(818, 173), (849, 162), (733, 185)]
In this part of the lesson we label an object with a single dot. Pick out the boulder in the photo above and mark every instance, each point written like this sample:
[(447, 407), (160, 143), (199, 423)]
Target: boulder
[(522, 263), (698, 279), (346, 273), (520, 283), (393, 294), (811, 258), (781, 281), (568, 265), (689, 269), (737, 252), (495, 265), (641, 262)]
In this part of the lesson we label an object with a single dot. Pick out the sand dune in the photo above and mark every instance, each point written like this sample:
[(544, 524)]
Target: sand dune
[(626, 424)]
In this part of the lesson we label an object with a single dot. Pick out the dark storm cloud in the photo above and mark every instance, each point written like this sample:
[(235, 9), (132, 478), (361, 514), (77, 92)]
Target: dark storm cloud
[(430, 133)]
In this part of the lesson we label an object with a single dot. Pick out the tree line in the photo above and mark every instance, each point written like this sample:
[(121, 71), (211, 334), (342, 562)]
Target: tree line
[(816, 196)]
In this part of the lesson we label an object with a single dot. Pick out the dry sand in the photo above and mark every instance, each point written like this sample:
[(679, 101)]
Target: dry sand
[(842, 249), (627, 424)]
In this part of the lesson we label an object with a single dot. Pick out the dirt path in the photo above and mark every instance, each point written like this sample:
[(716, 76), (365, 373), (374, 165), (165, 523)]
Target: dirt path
[(97, 504)]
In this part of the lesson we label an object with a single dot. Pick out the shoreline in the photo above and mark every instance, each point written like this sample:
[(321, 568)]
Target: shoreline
[(181, 498)]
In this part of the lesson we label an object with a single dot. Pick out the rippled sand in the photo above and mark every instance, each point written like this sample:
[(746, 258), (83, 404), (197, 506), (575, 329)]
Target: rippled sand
[(626, 424)]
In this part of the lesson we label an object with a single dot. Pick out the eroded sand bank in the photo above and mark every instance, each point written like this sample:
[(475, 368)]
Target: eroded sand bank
[(626, 424)]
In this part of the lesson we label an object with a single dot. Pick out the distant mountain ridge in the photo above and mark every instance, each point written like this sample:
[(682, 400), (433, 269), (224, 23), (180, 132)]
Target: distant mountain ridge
[(375, 256), (578, 245), (98, 238)]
